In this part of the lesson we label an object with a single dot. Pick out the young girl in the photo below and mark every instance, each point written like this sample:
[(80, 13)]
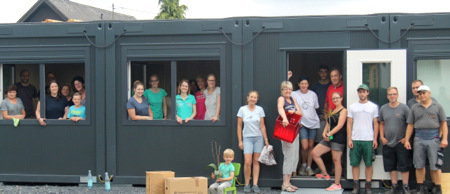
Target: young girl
[(227, 170), (252, 139), (77, 111), (186, 109), (337, 144)]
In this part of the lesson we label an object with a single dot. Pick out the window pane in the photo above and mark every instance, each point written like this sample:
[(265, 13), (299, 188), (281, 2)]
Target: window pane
[(434, 73), (378, 77)]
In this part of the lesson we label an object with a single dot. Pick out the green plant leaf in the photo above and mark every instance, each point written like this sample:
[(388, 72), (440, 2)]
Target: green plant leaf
[(212, 165)]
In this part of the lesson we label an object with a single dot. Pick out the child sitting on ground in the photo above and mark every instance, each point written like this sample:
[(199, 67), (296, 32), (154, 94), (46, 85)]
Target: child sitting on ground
[(77, 112), (227, 170)]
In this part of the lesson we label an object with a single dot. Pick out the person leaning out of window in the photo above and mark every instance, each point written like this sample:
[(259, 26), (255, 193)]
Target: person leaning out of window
[(156, 97), (138, 106), (56, 105), (78, 86), (186, 109), (12, 107)]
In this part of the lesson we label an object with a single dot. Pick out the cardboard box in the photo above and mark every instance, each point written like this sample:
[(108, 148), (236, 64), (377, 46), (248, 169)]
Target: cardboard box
[(187, 185), (155, 181)]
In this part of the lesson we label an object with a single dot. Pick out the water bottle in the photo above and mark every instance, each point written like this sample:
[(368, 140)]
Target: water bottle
[(89, 179), (107, 182)]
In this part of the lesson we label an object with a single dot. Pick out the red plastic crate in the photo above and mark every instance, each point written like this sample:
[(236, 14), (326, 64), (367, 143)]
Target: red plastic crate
[(290, 132)]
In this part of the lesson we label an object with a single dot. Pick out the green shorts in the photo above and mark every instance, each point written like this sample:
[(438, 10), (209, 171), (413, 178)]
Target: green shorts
[(361, 149)]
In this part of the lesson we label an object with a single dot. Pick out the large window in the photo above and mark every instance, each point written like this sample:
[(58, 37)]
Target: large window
[(434, 73), (168, 75), (32, 80)]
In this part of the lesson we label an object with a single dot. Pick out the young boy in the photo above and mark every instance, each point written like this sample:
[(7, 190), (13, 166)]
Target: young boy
[(227, 170), (77, 112)]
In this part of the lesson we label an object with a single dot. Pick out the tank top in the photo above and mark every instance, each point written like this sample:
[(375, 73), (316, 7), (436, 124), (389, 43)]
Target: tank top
[(341, 136), (289, 106)]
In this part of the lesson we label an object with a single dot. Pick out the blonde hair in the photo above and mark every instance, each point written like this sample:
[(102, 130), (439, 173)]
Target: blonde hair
[(179, 86), (76, 94), (137, 83), (228, 152), (286, 84), (392, 88)]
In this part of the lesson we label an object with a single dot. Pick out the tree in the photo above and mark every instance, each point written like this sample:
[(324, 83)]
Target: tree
[(171, 9)]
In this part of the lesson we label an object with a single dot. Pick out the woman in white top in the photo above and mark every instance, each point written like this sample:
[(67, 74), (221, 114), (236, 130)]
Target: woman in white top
[(251, 139), (212, 101)]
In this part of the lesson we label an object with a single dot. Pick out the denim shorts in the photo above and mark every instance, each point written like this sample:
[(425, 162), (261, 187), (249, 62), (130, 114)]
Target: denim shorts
[(307, 133), (253, 144)]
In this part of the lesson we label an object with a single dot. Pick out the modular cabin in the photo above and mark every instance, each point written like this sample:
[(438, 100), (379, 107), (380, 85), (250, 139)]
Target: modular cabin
[(244, 54)]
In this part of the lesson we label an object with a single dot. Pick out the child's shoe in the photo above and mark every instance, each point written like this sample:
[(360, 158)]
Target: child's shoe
[(334, 187)]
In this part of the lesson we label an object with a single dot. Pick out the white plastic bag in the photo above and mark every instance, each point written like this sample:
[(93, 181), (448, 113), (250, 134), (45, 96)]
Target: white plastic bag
[(267, 156)]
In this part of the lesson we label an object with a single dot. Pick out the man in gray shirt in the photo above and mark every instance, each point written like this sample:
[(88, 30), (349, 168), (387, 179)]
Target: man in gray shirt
[(429, 122), (396, 158), (414, 86)]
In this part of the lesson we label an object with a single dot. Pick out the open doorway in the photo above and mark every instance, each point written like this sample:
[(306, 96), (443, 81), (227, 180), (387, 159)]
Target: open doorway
[(308, 63)]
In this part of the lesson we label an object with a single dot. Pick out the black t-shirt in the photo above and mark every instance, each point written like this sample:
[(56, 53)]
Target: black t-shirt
[(54, 109), (26, 94), (341, 136)]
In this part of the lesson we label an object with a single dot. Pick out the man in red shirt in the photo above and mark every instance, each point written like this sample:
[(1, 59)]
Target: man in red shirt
[(336, 86)]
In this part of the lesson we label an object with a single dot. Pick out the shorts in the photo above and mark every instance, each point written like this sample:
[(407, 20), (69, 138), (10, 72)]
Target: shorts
[(396, 158), (333, 145), (361, 149), (307, 133), (253, 144), (424, 149)]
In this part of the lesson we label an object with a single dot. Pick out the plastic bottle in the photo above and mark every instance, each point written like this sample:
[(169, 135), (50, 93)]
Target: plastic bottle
[(89, 179), (107, 182)]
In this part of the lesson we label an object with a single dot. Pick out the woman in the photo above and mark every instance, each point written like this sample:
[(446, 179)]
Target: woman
[(212, 99), (186, 109), (335, 126), (252, 139), (12, 107), (78, 85), (156, 98), (65, 91), (200, 98), (56, 106), (290, 150), (137, 106), (194, 86)]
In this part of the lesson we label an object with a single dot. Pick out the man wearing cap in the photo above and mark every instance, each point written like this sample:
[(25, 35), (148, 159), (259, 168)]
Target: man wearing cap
[(336, 86), (310, 122), (396, 158), (429, 121), (414, 86), (362, 133)]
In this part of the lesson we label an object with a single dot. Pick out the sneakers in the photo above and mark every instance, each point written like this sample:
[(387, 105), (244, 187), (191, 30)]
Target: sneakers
[(437, 189), (309, 171), (394, 189), (256, 189), (420, 189), (406, 189), (355, 187), (321, 176), (368, 188), (247, 189), (303, 170), (334, 187)]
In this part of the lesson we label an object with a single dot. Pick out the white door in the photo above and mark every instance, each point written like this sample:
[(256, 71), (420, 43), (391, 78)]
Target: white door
[(379, 69)]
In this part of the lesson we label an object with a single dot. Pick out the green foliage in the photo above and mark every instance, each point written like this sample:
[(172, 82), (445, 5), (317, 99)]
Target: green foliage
[(171, 9)]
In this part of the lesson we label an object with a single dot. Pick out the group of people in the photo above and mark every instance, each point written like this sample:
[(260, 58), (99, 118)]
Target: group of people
[(59, 103), (203, 104), (357, 127)]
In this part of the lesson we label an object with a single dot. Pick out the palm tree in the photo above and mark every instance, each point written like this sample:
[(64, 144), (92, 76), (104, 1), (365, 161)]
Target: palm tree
[(171, 9)]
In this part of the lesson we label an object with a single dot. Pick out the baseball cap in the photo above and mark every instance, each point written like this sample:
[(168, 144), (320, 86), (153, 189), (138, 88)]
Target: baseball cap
[(423, 88), (363, 86)]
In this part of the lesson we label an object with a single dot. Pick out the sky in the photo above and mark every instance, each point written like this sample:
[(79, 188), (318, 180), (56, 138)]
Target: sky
[(12, 10)]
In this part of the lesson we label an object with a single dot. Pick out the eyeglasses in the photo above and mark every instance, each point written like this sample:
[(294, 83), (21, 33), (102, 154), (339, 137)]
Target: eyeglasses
[(287, 89), (392, 94), (335, 98), (415, 88)]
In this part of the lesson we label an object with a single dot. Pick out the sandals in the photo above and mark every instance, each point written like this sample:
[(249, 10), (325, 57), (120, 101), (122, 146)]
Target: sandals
[(289, 188)]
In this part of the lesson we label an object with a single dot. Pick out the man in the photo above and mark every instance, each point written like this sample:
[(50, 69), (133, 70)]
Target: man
[(321, 87), (310, 122), (414, 86), (27, 93), (336, 86), (362, 133), (429, 122), (396, 157)]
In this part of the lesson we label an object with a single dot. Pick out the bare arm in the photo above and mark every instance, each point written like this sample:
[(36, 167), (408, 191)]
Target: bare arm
[(216, 117), (264, 131), (382, 137), (133, 116), (239, 133), (409, 131), (444, 132), (38, 114), (66, 111), (349, 131), (281, 111), (341, 122), (375, 133), (227, 179), (194, 112), (164, 108), (150, 113), (299, 111)]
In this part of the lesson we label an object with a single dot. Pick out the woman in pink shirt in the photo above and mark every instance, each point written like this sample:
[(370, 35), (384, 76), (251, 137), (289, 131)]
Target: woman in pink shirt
[(200, 98)]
